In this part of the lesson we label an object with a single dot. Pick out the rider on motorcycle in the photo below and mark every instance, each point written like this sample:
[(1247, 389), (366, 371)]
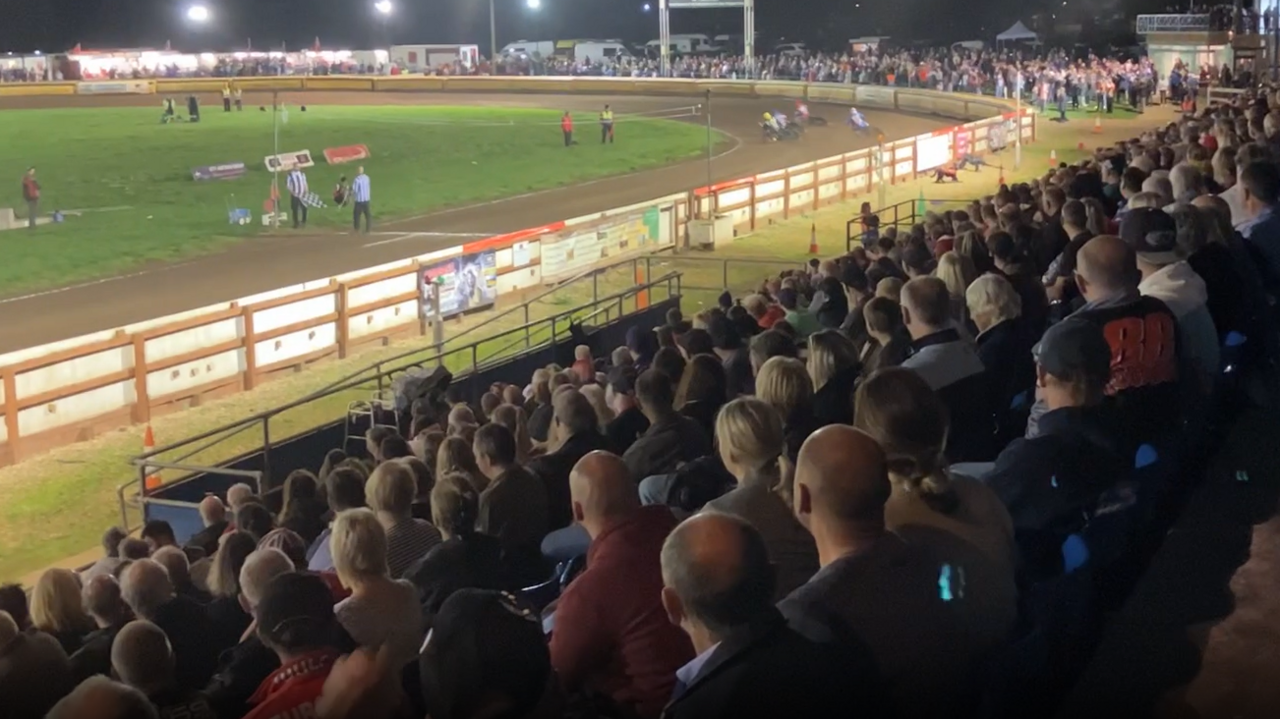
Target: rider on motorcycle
[(802, 111), (856, 120), (771, 122), (781, 117)]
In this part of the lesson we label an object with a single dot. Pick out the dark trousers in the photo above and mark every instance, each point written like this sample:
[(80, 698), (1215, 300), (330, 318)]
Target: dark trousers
[(568, 138), (358, 209), (606, 133), (299, 210), (33, 212), (226, 104)]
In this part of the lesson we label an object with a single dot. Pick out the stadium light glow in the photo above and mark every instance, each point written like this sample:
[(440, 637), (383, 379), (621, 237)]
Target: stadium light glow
[(198, 13), (533, 4), (383, 6)]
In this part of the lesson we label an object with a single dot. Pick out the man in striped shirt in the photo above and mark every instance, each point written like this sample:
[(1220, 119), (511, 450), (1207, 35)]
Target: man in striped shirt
[(297, 184), (360, 199)]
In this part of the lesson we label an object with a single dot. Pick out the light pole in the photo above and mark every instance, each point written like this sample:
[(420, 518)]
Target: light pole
[(198, 14), (384, 8)]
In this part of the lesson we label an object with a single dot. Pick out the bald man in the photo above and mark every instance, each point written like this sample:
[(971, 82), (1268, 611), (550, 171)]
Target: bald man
[(100, 698), (142, 658), (34, 672), (611, 634), (214, 516), (1144, 390), (718, 588), (874, 590)]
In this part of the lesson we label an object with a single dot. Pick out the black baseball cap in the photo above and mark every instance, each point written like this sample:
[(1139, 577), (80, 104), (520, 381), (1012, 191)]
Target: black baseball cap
[(1075, 349), (1153, 235), (296, 611)]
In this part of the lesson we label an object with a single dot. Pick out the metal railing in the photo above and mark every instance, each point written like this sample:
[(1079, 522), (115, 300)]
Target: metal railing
[(903, 215), (204, 451)]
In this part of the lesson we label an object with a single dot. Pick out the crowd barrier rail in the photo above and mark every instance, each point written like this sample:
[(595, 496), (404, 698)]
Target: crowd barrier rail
[(75, 389)]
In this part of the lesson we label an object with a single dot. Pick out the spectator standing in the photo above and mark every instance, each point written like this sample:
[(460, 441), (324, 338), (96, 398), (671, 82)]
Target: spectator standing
[(34, 672), (671, 438), (750, 438), (142, 658), (606, 125), (875, 590), (513, 508), (31, 195), (297, 186), (566, 127), (604, 641), (360, 197), (719, 588), (390, 493)]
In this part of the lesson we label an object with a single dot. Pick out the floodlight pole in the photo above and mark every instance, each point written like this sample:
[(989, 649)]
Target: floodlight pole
[(275, 175), (493, 33), (1017, 126), (710, 202)]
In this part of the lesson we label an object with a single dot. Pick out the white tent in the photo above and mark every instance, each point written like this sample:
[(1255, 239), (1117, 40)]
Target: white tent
[(1015, 33)]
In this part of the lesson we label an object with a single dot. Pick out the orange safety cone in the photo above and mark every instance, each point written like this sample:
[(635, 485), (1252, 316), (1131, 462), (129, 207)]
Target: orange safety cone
[(813, 239), (1080, 145), (1097, 124), (148, 444), (1053, 158)]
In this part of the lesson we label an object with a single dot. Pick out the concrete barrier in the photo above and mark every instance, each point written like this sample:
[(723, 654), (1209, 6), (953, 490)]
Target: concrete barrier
[(74, 389)]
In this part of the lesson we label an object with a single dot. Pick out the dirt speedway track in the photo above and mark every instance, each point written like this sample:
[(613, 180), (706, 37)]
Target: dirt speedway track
[(285, 258)]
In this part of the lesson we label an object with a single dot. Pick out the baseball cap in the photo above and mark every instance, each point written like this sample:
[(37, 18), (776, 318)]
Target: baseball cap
[(1075, 349), (1153, 235), (296, 611)]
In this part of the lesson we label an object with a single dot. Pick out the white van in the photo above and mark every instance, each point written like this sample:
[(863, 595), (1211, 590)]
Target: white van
[(597, 50), (527, 48), (685, 44)]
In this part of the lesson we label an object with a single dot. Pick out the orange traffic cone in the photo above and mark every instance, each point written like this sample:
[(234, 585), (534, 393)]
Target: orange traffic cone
[(1097, 124), (148, 444), (1080, 145), (1053, 158), (813, 239)]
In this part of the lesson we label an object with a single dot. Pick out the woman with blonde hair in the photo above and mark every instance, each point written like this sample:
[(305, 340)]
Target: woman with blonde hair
[(751, 439), (595, 395), (390, 492), (783, 383), (833, 367), (958, 518), (957, 273), (456, 456), (56, 608), (380, 610)]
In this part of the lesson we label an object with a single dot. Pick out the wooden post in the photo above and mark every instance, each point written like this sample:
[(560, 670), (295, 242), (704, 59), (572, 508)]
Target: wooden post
[(786, 195), (142, 401), (344, 320), (10, 379), (752, 210), (250, 349)]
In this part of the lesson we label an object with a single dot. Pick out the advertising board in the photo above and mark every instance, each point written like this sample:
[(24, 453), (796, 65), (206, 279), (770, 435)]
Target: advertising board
[(288, 161), (225, 171), (115, 87), (574, 250), (466, 283), (347, 153)]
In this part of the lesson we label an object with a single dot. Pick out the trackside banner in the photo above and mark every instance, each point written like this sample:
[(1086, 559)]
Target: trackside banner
[(348, 153), (225, 171), (289, 161), (115, 87)]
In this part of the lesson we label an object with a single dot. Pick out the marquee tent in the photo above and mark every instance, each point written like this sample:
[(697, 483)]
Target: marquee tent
[(1015, 33)]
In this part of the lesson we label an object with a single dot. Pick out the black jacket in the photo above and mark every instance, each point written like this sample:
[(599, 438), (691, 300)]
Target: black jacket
[(1049, 482), (665, 446), (626, 428), (833, 404), (1005, 351), (194, 640), (553, 469), (207, 538), (94, 656), (471, 563), (766, 669)]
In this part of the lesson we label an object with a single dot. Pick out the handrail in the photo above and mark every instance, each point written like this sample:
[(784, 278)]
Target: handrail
[(267, 414)]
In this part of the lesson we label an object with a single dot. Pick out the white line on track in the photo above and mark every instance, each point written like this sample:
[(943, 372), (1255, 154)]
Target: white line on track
[(103, 281), (402, 236)]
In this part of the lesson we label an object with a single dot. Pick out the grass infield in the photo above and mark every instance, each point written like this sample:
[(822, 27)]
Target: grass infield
[(131, 175)]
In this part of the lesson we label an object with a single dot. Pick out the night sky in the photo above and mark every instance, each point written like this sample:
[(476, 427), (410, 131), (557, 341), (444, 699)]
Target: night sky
[(56, 25)]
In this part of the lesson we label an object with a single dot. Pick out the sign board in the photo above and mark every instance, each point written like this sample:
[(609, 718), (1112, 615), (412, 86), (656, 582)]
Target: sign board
[(932, 152), (573, 251), (115, 87), (520, 254), (289, 161), (466, 283), (348, 153), (225, 171)]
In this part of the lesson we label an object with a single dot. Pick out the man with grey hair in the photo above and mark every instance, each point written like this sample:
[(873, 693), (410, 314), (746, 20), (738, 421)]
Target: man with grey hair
[(142, 658), (237, 495), (1160, 185), (578, 428), (259, 569), (718, 587), (146, 587), (1187, 183), (34, 672), (213, 514), (111, 540), (174, 560), (103, 601), (100, 698)]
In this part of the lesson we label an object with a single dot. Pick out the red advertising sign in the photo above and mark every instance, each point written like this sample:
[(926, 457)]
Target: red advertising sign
[(350, 153)]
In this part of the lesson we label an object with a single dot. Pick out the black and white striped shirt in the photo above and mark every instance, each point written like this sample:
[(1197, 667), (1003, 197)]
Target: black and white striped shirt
[(297, 183)]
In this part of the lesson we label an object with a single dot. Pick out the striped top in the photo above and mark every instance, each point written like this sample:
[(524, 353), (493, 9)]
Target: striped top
[(360, 188), (297, 183), (407, 542)]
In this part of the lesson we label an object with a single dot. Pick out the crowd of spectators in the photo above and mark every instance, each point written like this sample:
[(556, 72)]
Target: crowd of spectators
[(863, 484)]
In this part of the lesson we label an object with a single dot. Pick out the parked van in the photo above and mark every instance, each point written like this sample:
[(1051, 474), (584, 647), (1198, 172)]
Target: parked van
[(686, 44), (593, 50), (527, 48)]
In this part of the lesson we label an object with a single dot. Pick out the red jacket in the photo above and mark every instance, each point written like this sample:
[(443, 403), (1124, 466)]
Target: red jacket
[(771, 315), (611, 633), (566, 123), (30, 188), (292, 690)]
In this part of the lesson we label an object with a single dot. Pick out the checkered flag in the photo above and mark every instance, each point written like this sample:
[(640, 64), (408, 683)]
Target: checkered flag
[(311, 199)]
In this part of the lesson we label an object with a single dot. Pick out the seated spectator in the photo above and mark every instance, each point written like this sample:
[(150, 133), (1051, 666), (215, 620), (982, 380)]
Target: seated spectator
[(381, 610), (213, 515), (750, 439), (423, 481), (455, 456), (833, 366), (696, 342), (13, 599), (875, 590), (957, 274), (111, 546), (254, 519), (158, 533), (289, 543), (487, 651), (103, 602), (240, 493), (642, 345), (101, 698), (595, 393), (583, 367), (606, 642), (1235, 292), (466, 558), (799, 318), (719, 587), (889, 343), (225, 612), (296, 621), (34, 671), (576, 424), (762, 311), (1153, 234), (950, 365), (303, 511), (131, 549), (539, 408), (142, 658), (175, 563), (390, 493), (514, 508), (917, 260), (345, 490), (770, 344), (242, 668), (146, 589), (961, 520), (670, 362), (732, 351), (57, 611), (1004, 346), (628, 421), (830, 305), (702, 391), (1049, 482), (512, 417), (784, 384), (1022, 274), (671, 438)]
